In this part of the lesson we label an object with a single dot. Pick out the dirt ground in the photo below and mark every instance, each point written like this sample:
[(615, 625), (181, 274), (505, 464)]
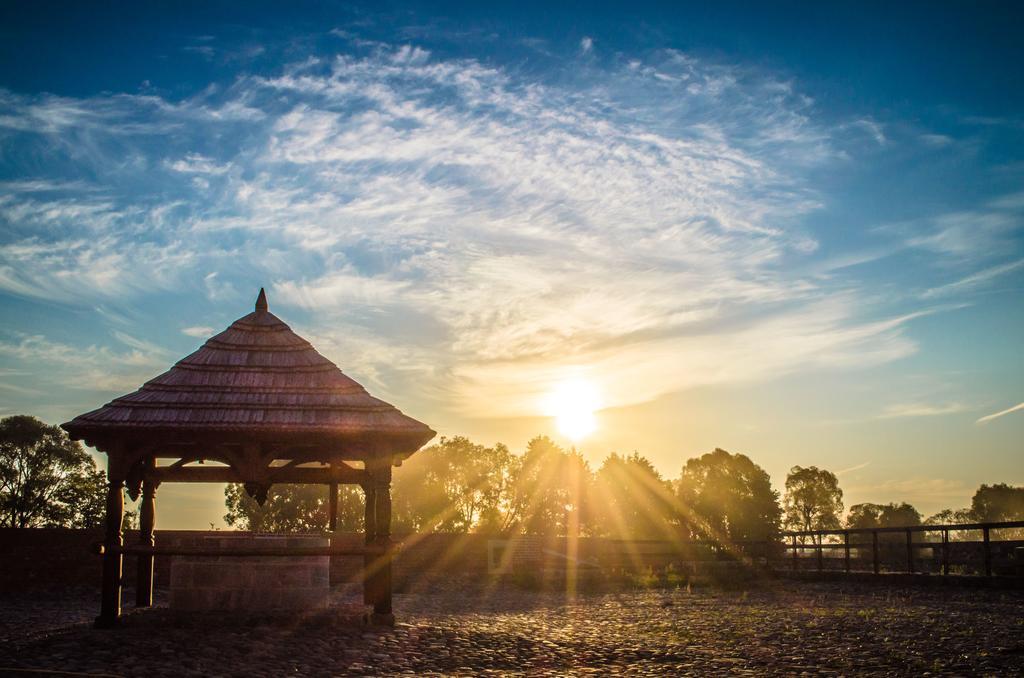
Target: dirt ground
[(777, 628)]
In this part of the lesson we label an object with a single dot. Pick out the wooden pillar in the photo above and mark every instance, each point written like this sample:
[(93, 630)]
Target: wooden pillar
[(110, 600), (846, 550), (985, 543), (796, 563), (821, 555), (382, 611), (910, 551), (874, 550), (332, 502), (369, 536), (945, 552), (147, 523), (377, 589)]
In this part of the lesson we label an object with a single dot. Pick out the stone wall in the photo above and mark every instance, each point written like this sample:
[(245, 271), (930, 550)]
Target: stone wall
[(259, 583)]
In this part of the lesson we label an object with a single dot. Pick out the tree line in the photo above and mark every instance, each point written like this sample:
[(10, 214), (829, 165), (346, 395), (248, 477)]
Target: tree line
[(459, 486), (456, 485)]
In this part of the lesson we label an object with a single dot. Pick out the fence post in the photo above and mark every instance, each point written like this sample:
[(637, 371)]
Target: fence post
[(945, 552), (821, 562), (910, 551), (874, 549), (988, 551), (846, 549), (795, 563)]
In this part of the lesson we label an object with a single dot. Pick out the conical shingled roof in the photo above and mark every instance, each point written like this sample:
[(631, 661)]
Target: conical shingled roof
[(256, 376)]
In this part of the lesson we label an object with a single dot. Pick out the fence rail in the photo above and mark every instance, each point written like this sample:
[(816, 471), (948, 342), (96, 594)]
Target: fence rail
[(919, 549), (987, 557)]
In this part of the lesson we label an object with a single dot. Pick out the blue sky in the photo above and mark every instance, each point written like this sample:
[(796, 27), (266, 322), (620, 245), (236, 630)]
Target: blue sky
[(793, 231)]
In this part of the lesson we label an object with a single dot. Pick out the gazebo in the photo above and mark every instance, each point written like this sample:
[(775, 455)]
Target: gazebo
[(261, 401)]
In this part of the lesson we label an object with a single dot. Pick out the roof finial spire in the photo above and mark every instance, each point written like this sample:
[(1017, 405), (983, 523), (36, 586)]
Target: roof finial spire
[(261, 301)]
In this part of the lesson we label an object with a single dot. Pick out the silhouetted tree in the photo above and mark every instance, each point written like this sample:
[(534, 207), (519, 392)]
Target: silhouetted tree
[(727, 497), (951, 517), (80, 501), (813, 499), (293, 508), (997, 503), (631, 500), (46, 478), (883, 515)]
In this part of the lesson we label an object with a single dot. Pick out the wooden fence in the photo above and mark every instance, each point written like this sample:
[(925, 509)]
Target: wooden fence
[(974, 549), (985, 549)]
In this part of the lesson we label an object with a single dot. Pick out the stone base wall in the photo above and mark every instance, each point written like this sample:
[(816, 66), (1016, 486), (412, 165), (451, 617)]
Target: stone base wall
[(257, 583)]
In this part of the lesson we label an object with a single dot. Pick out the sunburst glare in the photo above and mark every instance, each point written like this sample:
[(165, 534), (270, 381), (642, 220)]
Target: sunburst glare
[(573, 404)]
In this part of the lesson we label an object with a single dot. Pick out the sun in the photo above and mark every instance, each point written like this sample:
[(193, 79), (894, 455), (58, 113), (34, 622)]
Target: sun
[(572, 403)]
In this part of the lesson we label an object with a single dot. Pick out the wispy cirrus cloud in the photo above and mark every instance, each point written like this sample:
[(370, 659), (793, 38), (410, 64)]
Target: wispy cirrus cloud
[(922, 409), (199, 331), (972, 235), (995, 415), (975, 280), (917, 490), (93, 368), (450, 217)]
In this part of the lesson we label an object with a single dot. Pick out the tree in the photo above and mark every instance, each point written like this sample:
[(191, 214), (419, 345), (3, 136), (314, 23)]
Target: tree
[(813, 499), (727, 496), (46, 478), (293, 508), (632, 500), (453, 486), (869, 515), (998, 503), (80, 501), (951, 517), (549, 492)]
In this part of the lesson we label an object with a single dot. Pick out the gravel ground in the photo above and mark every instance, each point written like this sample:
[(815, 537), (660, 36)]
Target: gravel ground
[(779, 628)]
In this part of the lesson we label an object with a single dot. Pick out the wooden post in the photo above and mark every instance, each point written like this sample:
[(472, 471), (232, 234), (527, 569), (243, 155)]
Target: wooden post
[(945, 552), (378, 576), (110, 598), (821, 555), (369, 535), (382, 612), (332, 501), (846, 550), (985, 538), (910, 551), (796, 563), (874, 550), (147, 523)]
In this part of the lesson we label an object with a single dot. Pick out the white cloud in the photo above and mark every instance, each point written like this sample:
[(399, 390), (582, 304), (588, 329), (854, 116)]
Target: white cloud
[(989, 417), (917, 490), (586, 44), (94, 368), (216, 289), (445, 217), (974, 280), (873, 129), (199, 331), (921, 409), (851, 469), (936, 140), (971, 235), (196, 163)]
